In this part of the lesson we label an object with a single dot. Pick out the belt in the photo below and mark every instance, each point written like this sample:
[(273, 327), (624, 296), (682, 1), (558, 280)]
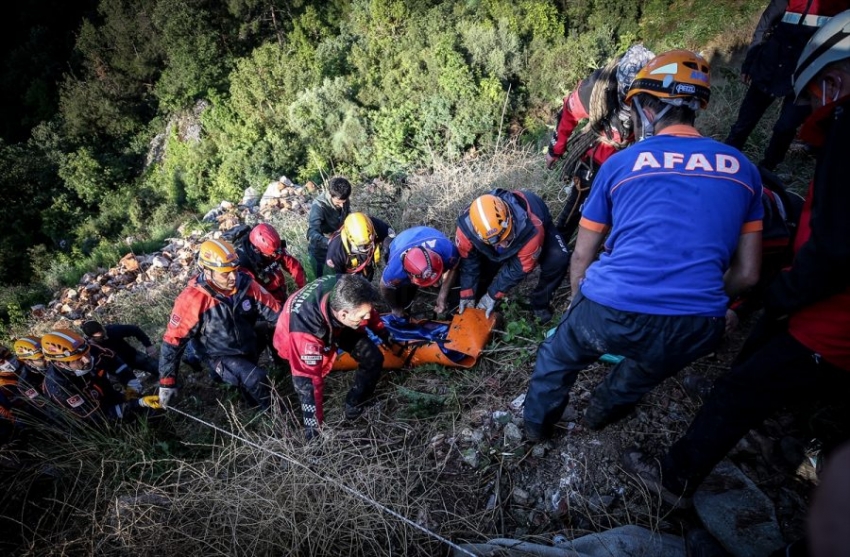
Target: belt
[(810, 20)]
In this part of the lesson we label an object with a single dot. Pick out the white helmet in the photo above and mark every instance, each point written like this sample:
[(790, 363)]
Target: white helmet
[(829, 44)]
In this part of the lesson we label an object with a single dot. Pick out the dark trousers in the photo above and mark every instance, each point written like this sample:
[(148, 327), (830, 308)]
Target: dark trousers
[(370, 362), (241, 372), (753, 107), (781, 372), (655, 347), (318, 258), (554, 263), (144, 362)]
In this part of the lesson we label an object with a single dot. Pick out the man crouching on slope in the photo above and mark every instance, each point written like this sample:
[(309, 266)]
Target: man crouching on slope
[(329, 313), (682, 214)]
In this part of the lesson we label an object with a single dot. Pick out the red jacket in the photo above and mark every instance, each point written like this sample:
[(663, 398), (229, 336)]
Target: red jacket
[(307, 332), (815, 290), (223, 324)]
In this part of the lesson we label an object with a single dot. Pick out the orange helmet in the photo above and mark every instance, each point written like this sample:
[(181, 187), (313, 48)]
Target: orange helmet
[(677, 74), (28, 348), (423, 266), (491, 218), (218, 255), (64, 345)]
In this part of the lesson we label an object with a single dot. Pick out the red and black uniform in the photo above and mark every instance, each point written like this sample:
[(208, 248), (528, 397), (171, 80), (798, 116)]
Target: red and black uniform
[(224, 325), (810, 357), (268, 271), (91, 396), (308, 336), (339, 262), (575, 110), (536, 241)]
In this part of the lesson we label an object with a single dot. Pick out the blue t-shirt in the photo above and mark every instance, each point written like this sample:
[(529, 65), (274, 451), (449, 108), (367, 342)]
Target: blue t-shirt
[(675, 206), (424, 236)]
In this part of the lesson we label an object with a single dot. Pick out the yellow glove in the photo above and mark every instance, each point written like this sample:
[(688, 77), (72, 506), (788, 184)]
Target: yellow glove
[(150, 401)]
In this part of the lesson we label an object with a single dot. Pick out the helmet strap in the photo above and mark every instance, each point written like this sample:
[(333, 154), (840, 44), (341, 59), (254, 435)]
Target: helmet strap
[(647, 126)]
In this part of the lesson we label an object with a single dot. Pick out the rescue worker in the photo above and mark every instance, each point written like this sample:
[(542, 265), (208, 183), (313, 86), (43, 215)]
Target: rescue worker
[(418, 257), (113, 337), (263, 255), (800, 350), (327, 214), (78, 382), (219, 308), (31, 373), (330, 313), (501, 238), (357, 246), (782, 32), (599, 99), (682, 215)]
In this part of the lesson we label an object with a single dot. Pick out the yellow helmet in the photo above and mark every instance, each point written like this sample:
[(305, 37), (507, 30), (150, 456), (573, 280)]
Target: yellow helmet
[(64, 345), (358, 235), (28, 348), (491, 219), (218, 255)]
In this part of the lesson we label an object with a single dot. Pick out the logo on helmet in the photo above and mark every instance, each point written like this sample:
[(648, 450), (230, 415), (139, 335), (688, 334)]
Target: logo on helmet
[(685, 89)]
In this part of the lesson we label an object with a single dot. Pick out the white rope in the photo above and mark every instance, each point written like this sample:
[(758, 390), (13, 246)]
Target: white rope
[(327, 479)]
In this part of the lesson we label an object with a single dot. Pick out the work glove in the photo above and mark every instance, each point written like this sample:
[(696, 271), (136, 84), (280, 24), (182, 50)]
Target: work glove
[(465, 303), (150, 401), (136, 385), (488, 304), (167, 395)]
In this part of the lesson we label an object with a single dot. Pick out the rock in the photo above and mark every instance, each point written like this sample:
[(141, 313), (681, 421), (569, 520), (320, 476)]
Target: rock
[(161, 262), (521, 497), (501, 417), (518, 402), (38, 310), (737, 513), (71, 294), (129, 262), (471, 457), (513, 435)]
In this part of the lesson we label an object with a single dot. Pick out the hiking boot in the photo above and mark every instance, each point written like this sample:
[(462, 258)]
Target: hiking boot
[(352, 412), (543, 315), (595, 418), (697, 387), (534, 433), (646, 472)]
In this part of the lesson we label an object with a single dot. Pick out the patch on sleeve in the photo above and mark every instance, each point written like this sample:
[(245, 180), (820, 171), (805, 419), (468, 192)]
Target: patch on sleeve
[(75, 401), (330, 263), (246, 305), (310, 353), (31, 393), (174, 321)]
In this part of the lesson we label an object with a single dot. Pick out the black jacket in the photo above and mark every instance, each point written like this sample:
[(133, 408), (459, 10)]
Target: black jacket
[(115, 335), (325, 219)]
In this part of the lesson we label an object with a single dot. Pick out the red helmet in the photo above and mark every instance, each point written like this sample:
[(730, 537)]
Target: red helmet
[(424, 266), (266, 239)]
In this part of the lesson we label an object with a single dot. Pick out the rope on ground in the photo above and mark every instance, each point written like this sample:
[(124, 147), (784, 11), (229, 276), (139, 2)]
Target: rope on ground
[(327, 479)]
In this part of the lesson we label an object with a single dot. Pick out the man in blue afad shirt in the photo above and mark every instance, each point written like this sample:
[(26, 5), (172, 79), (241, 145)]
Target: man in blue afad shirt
[(419, 257), (682, 214)]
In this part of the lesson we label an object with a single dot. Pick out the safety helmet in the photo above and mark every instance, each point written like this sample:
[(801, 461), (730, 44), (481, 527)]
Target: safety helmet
[(829, 44), (358, 234), (491, 218), (64, 345), (678, 77), (218, 255), (424, 266), (265, 239), (629, 65), (28, 348)]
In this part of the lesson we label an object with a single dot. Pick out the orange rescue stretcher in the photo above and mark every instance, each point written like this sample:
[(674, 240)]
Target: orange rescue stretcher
[(466, 338)]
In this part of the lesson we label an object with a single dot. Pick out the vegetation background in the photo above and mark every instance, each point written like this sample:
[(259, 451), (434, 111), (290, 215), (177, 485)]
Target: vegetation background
[(123, 119), (120, 118)]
